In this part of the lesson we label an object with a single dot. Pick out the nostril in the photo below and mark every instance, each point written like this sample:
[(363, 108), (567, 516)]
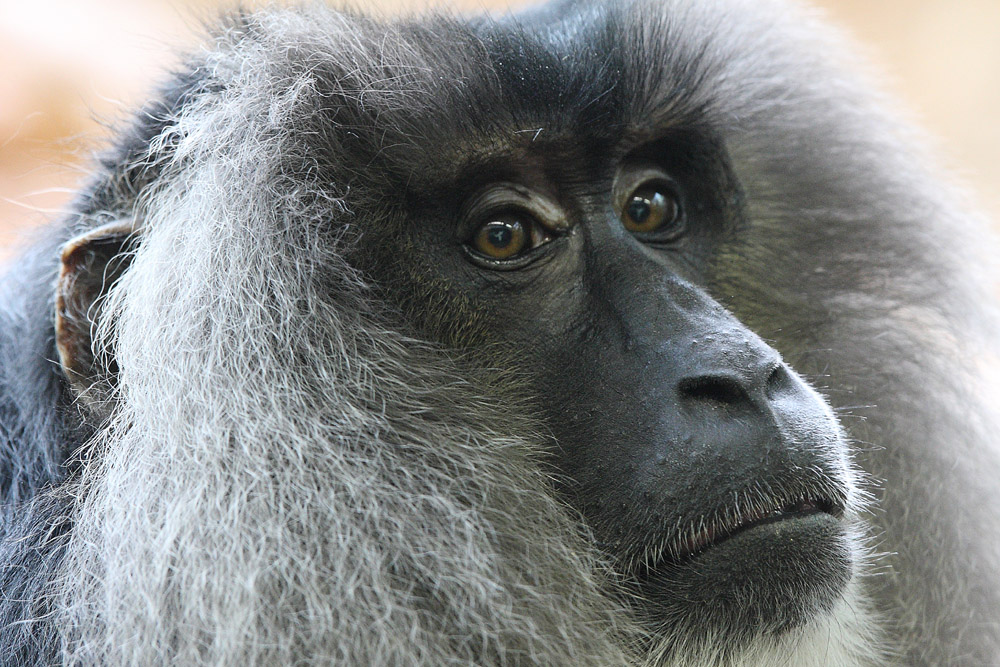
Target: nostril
[(719, 388), (779, 381)]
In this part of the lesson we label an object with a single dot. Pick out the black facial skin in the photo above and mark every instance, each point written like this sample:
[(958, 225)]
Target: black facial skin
[(706, 469)]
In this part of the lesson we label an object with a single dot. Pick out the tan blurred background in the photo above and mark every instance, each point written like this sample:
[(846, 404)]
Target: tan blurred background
[(70, 67)]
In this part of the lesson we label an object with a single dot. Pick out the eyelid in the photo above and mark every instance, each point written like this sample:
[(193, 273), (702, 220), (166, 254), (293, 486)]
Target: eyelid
[(506, 197)]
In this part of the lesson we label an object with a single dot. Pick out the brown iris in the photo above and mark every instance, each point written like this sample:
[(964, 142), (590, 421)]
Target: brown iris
[(651, 208), (501, 239)]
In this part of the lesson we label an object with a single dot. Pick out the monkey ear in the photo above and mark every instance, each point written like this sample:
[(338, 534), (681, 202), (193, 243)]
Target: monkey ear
[(91, 263)]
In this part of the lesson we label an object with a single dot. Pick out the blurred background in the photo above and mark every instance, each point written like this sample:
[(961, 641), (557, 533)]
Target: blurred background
[(71, 68)]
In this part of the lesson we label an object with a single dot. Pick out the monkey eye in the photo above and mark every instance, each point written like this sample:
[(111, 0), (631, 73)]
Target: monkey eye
[(653, 208), (508, 235)]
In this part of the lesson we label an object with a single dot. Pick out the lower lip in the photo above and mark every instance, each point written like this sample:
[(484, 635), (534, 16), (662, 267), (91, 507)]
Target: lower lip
[(768, 573)]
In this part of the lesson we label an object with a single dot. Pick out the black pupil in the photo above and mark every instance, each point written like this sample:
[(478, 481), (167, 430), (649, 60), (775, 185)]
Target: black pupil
[(639, 209), (499, 235)]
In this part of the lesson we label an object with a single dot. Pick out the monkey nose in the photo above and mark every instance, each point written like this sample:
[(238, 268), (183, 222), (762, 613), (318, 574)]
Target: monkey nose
[(748, 387)]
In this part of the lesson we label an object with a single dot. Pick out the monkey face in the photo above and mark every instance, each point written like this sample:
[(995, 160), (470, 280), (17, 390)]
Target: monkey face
[(714, 478)]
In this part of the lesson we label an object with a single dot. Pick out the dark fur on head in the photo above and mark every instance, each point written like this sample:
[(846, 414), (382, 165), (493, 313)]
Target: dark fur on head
[(282, 470)]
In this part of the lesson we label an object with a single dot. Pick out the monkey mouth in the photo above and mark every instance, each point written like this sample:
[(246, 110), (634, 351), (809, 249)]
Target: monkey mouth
[(687, 545), (690, 545), (763, 565)]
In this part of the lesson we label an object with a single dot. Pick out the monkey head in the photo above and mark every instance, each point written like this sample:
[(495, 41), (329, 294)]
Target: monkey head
[(568, 225)]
